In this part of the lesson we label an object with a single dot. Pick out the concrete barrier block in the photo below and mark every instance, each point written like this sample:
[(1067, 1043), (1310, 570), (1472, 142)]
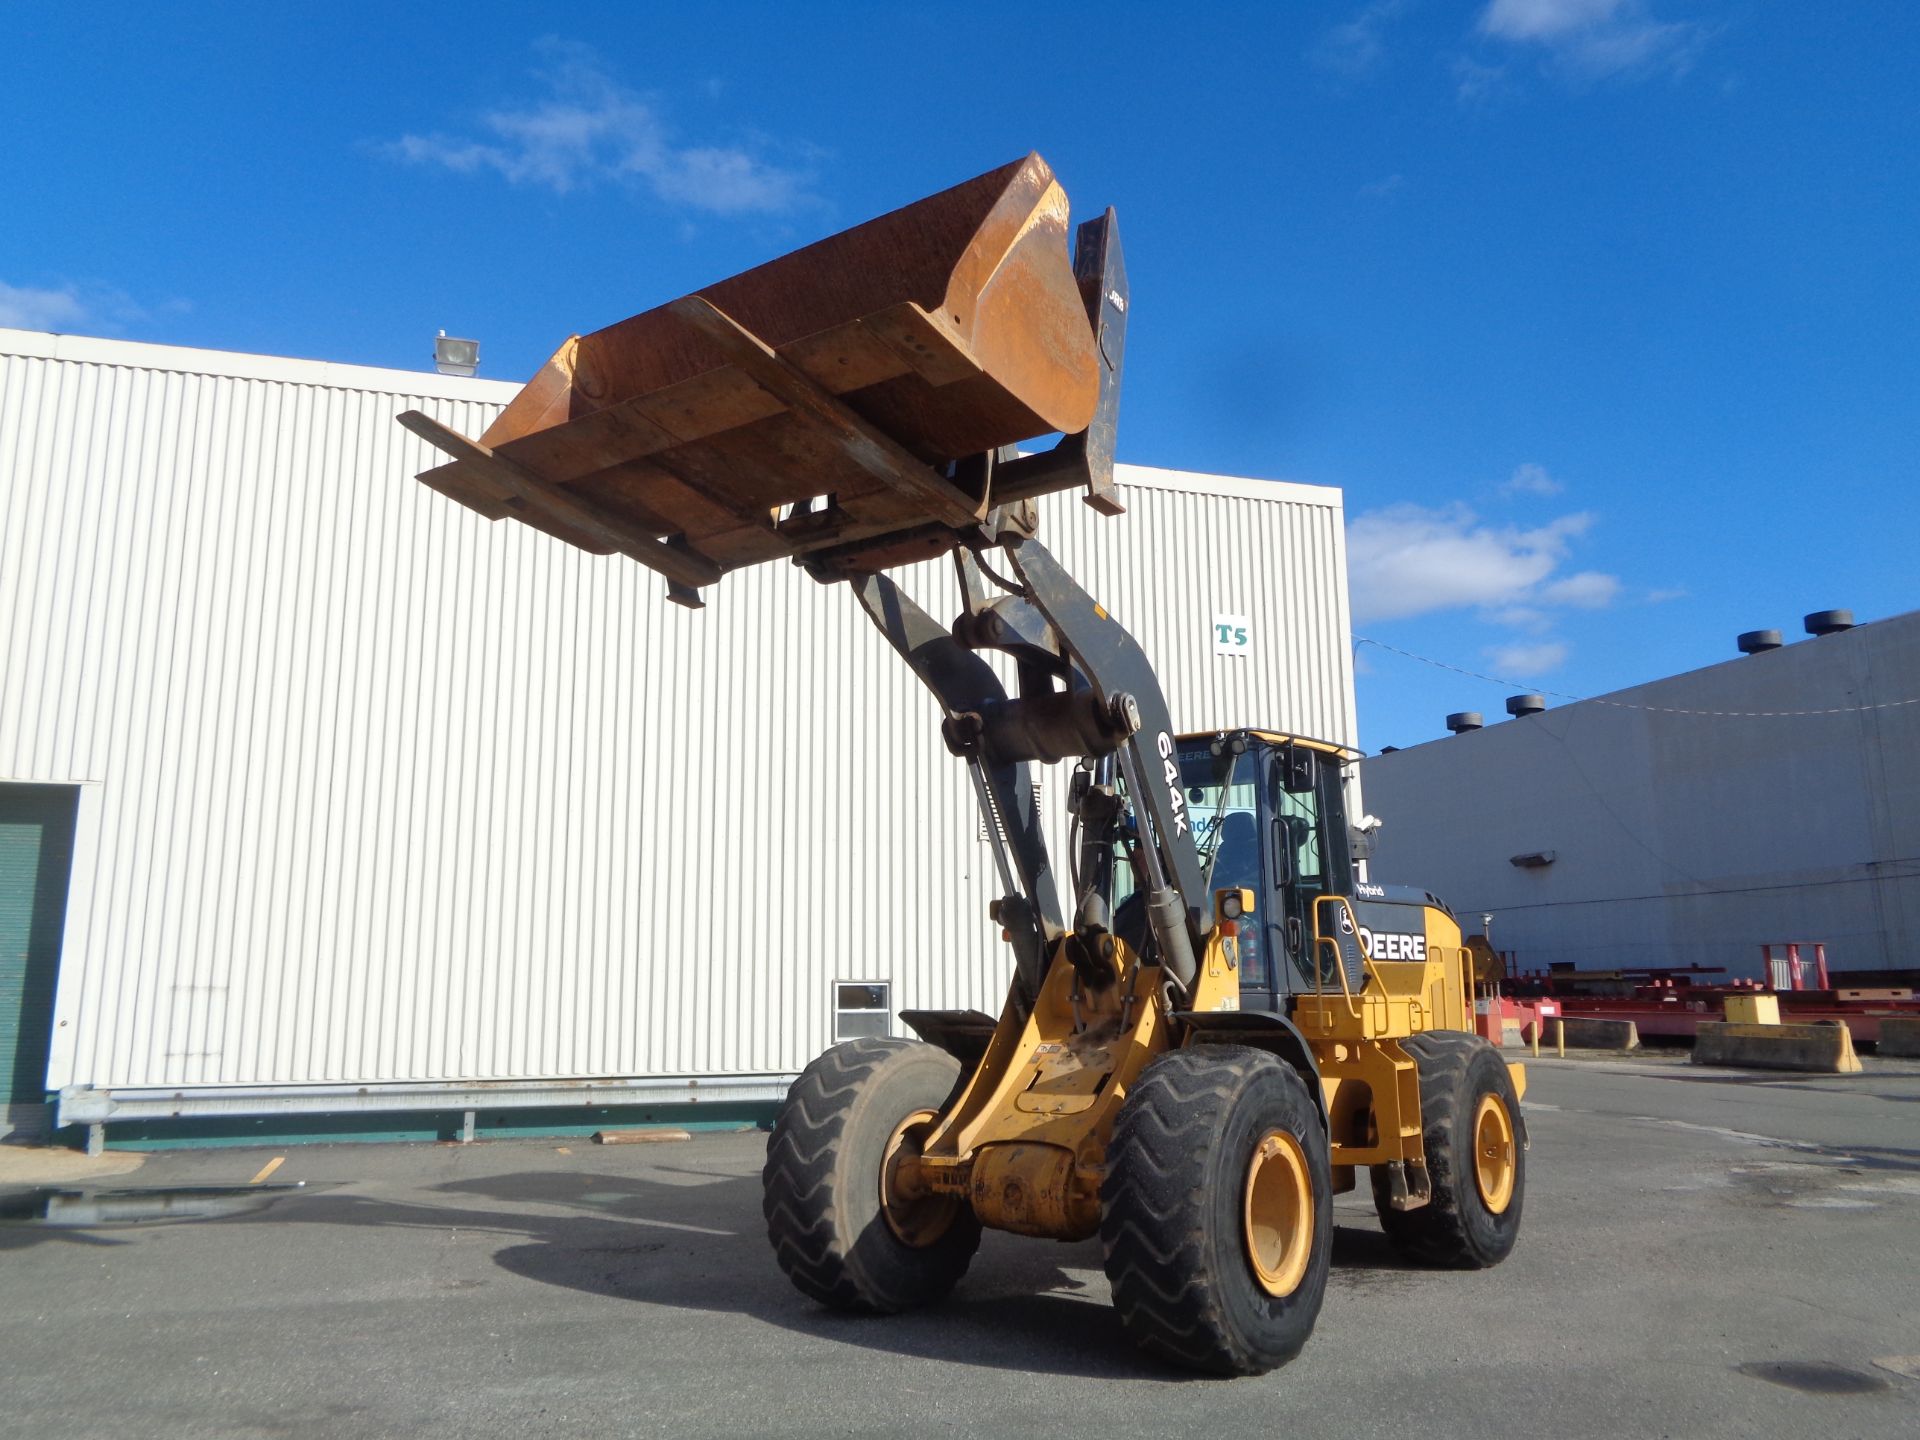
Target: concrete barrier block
[(1900, 1035), (1822, 1049), (1588, 1034)]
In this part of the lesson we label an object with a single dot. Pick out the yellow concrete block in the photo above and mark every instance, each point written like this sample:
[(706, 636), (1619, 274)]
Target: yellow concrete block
[(1753, 1009)]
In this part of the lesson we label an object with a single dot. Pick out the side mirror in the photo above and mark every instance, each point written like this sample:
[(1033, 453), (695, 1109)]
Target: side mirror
[(1282, 855), (1296, 770)]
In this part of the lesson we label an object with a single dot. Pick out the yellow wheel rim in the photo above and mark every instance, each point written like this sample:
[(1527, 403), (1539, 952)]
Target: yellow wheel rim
[(916, 1215), (1279, 1213), (1494, 1158)]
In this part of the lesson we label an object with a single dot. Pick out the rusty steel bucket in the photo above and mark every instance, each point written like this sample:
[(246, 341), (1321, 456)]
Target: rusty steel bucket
[(822, 401)]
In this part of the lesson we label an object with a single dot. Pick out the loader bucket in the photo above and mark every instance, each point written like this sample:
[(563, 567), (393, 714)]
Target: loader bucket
[(822, 401)]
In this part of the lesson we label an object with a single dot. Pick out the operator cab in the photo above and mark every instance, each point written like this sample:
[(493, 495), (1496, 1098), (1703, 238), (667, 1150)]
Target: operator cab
[(1269, 814)]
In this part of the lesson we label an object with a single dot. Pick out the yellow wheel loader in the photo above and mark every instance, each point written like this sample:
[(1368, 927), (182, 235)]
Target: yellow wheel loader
[(1223, 1023)]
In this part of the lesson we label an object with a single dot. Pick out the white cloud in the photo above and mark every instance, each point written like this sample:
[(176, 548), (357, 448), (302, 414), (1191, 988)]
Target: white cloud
[(727, 182), (25, 308), (1474, 81), (1545, 19), (85, 307), (1530, 618), (1662, 595), (1531, 479), (1523, 661), (1408, 560), (1383, 187), (1358, 46), (588, 130), (1589, 590), (1595, 38)]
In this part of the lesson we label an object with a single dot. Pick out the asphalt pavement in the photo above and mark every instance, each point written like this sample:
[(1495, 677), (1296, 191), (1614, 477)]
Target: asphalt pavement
[(1704, 1253)]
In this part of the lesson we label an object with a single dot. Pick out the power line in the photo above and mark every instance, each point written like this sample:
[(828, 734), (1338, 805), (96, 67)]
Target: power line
[(1714, 892), (1360, 640)]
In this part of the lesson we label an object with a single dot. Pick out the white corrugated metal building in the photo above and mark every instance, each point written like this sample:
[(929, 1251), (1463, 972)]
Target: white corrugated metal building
[(369, 800)]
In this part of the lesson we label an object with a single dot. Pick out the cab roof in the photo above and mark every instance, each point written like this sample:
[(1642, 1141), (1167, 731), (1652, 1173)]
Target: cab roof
[(1342, 753)]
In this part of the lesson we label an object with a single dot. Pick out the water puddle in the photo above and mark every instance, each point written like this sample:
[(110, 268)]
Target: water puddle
[(85, 1206), (1831, 1202)]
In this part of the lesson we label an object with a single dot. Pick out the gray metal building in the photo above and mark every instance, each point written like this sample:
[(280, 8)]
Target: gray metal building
[(1774, 797), (319, 791)]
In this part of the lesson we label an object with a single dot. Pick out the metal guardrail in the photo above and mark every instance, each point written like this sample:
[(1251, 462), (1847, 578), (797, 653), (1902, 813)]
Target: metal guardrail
[(99, 1106)]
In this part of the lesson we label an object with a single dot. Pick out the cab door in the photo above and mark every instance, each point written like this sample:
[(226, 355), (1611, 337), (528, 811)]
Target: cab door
[(1307, 799)]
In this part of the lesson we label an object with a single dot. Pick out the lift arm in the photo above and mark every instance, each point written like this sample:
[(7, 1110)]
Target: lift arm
[(1122, 694), (965, 685), (1087, 689)]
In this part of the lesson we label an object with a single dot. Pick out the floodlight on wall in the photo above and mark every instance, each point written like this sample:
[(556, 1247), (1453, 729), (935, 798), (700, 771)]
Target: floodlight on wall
[(455, 357), (1537, 860)]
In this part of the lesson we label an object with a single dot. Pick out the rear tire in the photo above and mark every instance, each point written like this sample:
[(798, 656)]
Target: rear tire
[(1216, 1214), (832, 1142), (1476, 1157)]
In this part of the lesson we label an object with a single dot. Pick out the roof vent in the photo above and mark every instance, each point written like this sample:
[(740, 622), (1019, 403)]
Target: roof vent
[(1829, 622), (1460, 722), (1755, 641), (1518, 705)]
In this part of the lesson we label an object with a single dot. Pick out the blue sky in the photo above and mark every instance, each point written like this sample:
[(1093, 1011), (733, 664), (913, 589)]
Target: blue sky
[(1604, 313)]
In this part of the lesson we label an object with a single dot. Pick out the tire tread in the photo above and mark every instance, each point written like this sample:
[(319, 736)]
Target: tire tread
[(1439, 1233), (800, 1203), (1152, 1228)]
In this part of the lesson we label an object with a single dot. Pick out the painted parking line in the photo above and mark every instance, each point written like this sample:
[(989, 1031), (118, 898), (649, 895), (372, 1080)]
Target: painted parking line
[(268, 1169)]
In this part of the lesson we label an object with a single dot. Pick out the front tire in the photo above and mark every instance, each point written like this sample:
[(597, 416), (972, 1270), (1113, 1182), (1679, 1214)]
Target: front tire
[(840, 1234), (1217, 1211), (1476, 1157)]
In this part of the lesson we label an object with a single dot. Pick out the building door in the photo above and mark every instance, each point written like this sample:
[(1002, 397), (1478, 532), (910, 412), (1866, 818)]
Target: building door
[(36, 853)]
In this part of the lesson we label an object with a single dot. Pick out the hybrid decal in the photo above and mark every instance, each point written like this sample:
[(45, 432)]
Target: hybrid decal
[(1170, 768)]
